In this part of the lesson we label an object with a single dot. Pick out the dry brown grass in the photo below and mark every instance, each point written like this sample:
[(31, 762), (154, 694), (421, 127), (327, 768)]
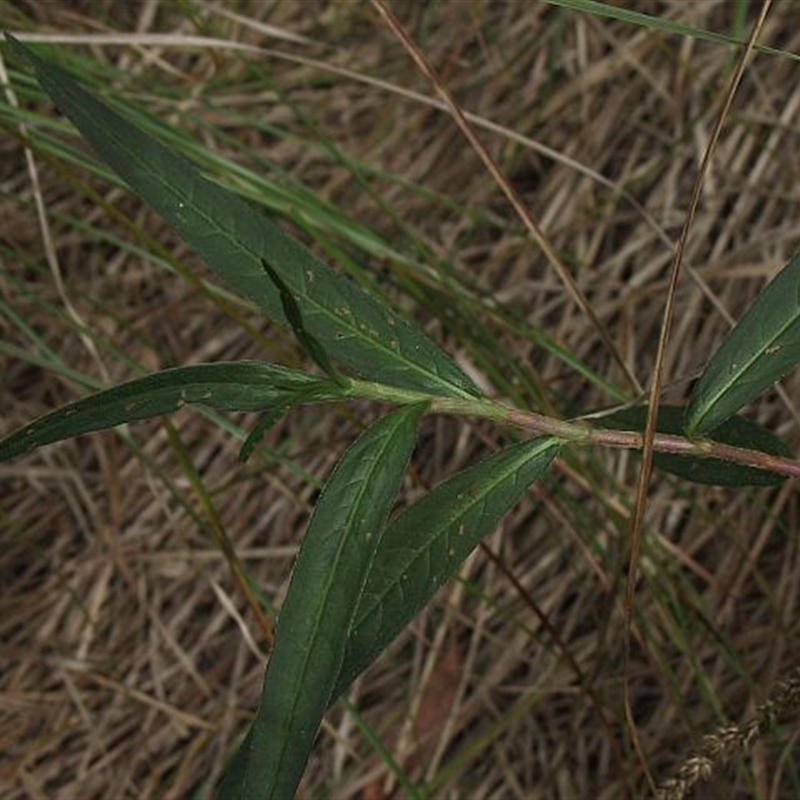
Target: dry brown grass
[(130, 662)]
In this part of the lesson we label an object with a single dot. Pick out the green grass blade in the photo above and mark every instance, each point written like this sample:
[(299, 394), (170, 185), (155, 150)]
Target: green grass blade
[(626, 14), (233, 237), (325, 590), (735, 431), (263, 425), (761, 349), (426, 544), (227, 386), (294, 316)]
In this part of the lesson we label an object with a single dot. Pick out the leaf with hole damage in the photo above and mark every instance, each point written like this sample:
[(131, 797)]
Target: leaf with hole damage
[(358, 330), (760, 350), (326, 587)]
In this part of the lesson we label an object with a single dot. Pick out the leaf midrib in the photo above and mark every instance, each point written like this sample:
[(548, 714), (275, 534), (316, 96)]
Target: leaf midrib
[(362, 495), (748, 365), (179, 196), (417, 553)]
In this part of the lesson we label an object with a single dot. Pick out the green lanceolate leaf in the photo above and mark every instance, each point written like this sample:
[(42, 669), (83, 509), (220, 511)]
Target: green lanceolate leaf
[(712, 471), (328, 580), (263, 425), (232, 237), (227, 386), (426, 544), (761, 349), (294, 316)]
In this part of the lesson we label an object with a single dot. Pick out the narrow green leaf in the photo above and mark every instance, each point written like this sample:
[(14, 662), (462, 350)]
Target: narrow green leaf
[(227, 386), (660, 23), (426, 544), (761, 349), (233, 237), (324, 592), (294, 317), (736, 431), (262, 426)]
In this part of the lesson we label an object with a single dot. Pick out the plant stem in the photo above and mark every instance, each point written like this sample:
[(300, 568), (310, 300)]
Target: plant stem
[(662, 443), (578, 433)]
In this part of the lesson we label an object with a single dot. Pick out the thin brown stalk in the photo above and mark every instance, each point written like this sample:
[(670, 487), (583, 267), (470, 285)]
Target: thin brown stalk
[(640, 506), (513, 197)]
